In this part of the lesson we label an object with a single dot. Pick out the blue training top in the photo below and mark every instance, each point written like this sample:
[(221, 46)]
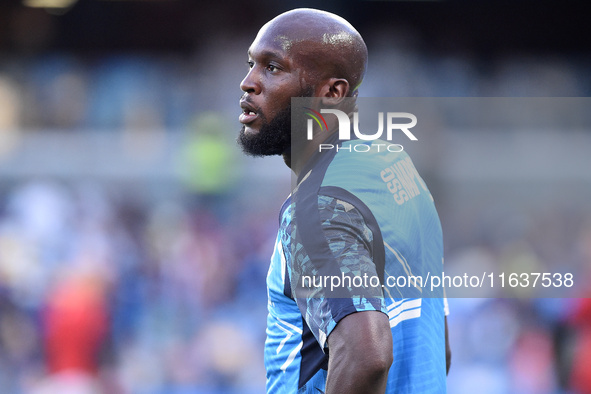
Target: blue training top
[(360, 232)]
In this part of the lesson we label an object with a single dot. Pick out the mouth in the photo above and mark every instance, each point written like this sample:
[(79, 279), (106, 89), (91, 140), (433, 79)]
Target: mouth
[(248, 115)]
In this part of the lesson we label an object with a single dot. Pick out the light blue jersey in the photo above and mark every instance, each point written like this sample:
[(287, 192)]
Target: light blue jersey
[(356, 215)]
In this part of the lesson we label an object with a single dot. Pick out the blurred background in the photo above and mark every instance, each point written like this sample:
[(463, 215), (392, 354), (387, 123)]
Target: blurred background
[(135, 236)]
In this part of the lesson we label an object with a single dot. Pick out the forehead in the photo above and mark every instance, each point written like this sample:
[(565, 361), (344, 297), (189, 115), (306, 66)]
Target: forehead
[(272, 39)]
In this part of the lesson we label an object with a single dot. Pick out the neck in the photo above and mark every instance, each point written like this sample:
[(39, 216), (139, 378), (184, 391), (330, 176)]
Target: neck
[(302, 150), (297, 159)]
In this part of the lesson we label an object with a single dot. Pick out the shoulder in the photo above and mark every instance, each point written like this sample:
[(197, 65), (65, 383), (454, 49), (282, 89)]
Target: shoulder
[(360, 161)]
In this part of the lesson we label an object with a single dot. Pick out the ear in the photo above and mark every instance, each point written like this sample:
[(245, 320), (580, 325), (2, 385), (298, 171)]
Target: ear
[(334, 90)]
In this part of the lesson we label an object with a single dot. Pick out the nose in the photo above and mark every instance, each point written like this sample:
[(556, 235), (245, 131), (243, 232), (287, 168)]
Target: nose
[(249, 84)]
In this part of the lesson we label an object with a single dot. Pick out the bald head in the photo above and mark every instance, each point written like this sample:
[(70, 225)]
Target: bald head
[(323, 44), (301, 53)]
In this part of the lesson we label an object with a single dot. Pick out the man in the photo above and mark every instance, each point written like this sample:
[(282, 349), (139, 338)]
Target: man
[(341, 219)]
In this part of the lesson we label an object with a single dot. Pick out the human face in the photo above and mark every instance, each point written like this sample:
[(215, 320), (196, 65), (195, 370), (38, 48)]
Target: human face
[(273, 78)]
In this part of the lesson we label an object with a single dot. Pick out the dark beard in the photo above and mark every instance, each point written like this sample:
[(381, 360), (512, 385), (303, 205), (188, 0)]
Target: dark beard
[(274, 138)]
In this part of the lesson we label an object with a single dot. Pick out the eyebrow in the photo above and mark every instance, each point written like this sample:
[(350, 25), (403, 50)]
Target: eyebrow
[(267, 54)]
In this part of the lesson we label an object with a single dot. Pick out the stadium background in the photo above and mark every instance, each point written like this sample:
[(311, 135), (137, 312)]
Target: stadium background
[(134, 236)]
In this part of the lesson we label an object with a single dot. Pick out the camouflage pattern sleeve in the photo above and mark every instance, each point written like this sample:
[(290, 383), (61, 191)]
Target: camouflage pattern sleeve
[(350, 242)]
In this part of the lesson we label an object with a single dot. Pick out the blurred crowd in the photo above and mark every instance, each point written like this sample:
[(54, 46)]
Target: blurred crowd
[(140, 91), (103, 294), (147, 299), (106, 287)]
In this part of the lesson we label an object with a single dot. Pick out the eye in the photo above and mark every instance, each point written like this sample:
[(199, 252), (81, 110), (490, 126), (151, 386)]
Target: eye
[(272, 68), (250, 64)]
